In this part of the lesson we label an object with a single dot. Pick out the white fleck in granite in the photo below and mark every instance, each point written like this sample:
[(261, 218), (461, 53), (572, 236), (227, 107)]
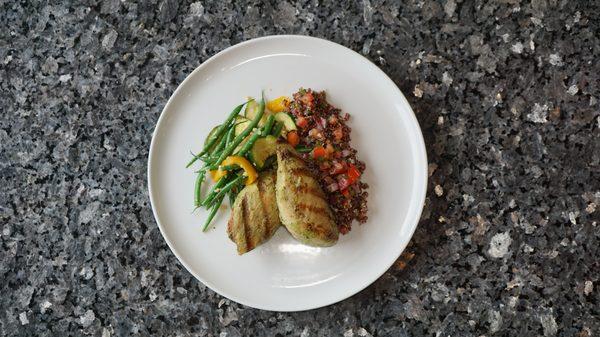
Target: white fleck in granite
[(555, 60), (549, 324), (87, 319), (517, 48), (588, 287), (499, 245), (450, 7), (109, 39), (23, 318), (417, 91), (539, 113), (446, 79)]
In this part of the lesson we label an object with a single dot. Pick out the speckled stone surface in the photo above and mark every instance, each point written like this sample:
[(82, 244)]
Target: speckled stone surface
[(507, 96)]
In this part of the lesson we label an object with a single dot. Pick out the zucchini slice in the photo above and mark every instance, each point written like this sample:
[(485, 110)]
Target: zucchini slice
[(210, 135), (252, 110), (285, 119), (262, 149), (240, 125)]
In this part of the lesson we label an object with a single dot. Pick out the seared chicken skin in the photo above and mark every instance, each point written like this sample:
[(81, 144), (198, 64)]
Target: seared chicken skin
[(303, 209), (254, 216)]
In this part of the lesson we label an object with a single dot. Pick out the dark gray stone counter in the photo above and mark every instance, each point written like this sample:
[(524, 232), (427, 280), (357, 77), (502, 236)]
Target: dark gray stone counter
[(507, 96)]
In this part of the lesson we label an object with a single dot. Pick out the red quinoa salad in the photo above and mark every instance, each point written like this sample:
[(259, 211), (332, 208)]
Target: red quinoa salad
[(324, 139)]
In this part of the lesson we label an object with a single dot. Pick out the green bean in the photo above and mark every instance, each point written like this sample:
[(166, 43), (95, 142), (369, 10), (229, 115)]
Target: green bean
[(207, 157), (249, 144), (303, 149), (213, 212), (233, 193), (210, 134), (239, 138), (203, 158), (268, 125), (198, 189), (220, 146), (232, 196), (210, 159), (224, 190), (277, 129), (230, 136), (229, 167), (216, 152), (224, 168), (218, 133), (215, 187), (221, 130)]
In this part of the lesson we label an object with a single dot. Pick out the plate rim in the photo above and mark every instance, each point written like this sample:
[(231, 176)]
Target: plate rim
[(422, 153)]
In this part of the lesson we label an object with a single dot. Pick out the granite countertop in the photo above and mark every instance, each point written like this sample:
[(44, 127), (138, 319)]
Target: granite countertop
[(506, 93)]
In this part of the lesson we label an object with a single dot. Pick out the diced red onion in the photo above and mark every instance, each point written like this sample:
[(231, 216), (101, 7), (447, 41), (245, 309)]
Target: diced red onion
[(343, 182), (337, 167), (322, 122), (332, 187), (346, 153)]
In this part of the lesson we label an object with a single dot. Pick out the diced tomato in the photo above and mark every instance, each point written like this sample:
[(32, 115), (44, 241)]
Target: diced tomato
[(343, 181), (353, 174), (292, 138), (338, 134), (302, 122), (345, 192), (319, 152)]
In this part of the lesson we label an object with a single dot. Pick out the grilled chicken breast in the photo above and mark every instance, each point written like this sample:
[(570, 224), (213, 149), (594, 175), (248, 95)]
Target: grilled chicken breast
[(254, 216), (303, 209)]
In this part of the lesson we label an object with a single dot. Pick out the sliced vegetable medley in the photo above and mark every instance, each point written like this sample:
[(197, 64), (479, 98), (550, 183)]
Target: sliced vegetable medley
[(235, 151)]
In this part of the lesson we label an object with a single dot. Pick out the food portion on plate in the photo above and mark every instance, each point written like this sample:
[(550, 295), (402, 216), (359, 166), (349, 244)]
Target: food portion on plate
[(254, 214), (324, 140), (303, 208), (285, 162)]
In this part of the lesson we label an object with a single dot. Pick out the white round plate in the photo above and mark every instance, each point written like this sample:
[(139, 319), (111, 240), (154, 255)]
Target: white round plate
[(282, 274)]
